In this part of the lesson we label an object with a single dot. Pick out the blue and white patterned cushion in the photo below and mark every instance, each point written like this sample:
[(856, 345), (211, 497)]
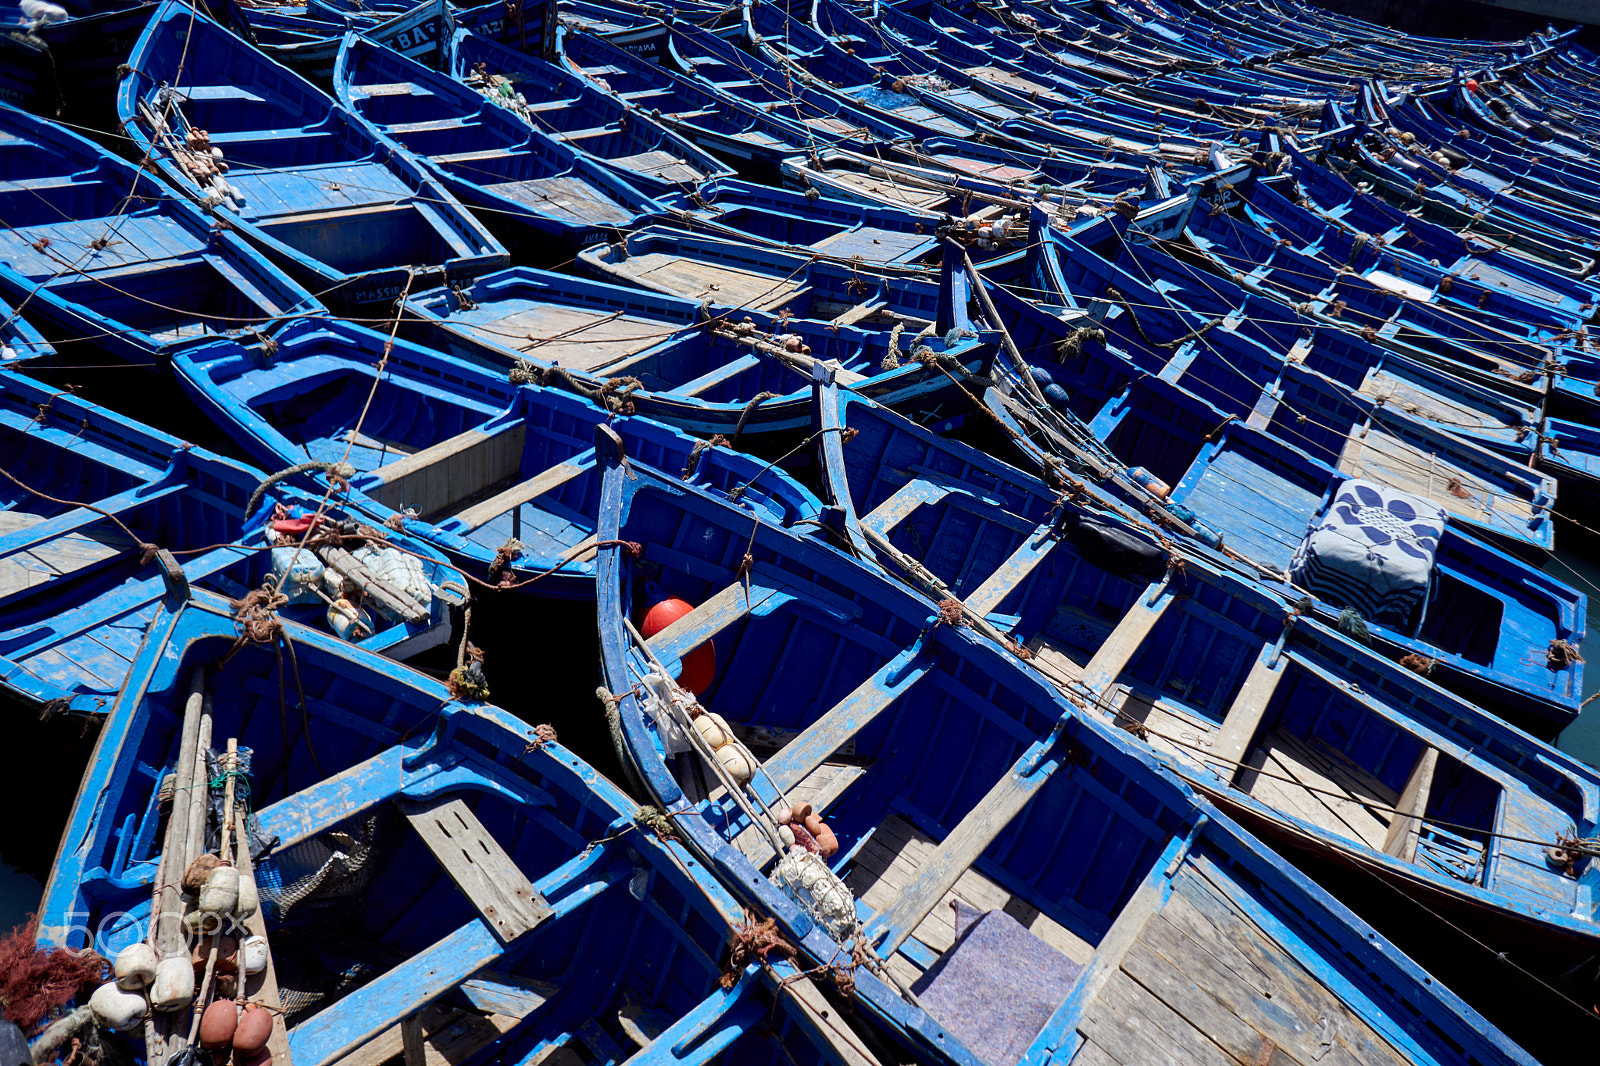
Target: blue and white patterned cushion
[(1373, 549)]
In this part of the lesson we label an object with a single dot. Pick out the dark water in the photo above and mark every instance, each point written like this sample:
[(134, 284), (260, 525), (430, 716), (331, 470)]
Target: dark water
[(41, 802)]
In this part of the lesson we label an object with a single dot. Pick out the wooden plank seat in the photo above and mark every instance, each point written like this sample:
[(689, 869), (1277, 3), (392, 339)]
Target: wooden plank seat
[(1404, 830), (710, 618), (961, 848), (765, 590), (393, 88), (481, 514), (433, 479), (222, 92), (1011, 573), (392, 997), (482, 153), (712, 378), (898, 508), (1239, 725), (480, 867), (442, 1034), (35, 534), (585, 134), (823, 738), (223, 137), (399, 129), (1118, 650)]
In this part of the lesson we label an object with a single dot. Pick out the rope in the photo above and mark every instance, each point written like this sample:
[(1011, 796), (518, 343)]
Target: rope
[(147, 550), (693, 462), (744, 416), (337, 472), (752, 941)]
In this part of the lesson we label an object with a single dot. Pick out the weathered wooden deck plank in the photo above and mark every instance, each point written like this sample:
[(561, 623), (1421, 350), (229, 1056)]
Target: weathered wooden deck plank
[(1282, 756), (844, 720), (1118, 650), (480, 867), (1011, 573), (1239, 725)]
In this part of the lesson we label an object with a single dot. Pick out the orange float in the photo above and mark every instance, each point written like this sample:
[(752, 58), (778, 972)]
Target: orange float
[(699, 667)]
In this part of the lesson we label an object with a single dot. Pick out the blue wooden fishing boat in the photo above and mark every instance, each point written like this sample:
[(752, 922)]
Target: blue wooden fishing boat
[(911, 75), (97, 252), (885, 85), (420, 32), (937, 773), (846, 229), (500, 477), (106, 519), (882, 181), (431, 874), (732, 277), (731, 74), (554, 101), (1246, 377), (1467, 258), (1264, 484), (1478, 375), (1309, 766), (542, 195), (355, 220), (700, 367), (749, 136)]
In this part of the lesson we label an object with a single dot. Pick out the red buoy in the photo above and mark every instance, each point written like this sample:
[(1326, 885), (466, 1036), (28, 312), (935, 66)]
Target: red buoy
[(1472, 85), (699, 667)]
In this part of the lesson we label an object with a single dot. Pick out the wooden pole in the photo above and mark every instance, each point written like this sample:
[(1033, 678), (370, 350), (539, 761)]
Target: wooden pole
[(164, 935)]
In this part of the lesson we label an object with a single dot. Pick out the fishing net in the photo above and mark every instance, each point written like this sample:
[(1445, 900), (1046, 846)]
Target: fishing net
[(316, 892)]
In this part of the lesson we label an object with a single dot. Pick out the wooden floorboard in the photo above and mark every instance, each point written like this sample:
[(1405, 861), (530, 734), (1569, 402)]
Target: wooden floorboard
[(1205, 984), (1313, 764), (697, 280), (1404, 466), (891, 859)]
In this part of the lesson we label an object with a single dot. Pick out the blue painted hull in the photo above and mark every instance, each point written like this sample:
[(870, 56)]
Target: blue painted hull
[(352, 218), (949, 728), (501, 478), (134, 284), (626, 922), (540, 195), (78, 592), (743, 382)]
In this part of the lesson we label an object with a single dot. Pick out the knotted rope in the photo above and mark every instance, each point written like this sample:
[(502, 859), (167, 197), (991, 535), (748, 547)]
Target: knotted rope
[(339, 474), (1562, 654), (754, 941)]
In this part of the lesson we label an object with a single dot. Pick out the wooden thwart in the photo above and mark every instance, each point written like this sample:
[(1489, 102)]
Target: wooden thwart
[(1123, 644), (433, 479), (443, 1033), (710, 618), (841, 723), (481, 869), (898, 508), (1244, 714), (1011, 573), (1402, 839), (482, 513), (959, 850)]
